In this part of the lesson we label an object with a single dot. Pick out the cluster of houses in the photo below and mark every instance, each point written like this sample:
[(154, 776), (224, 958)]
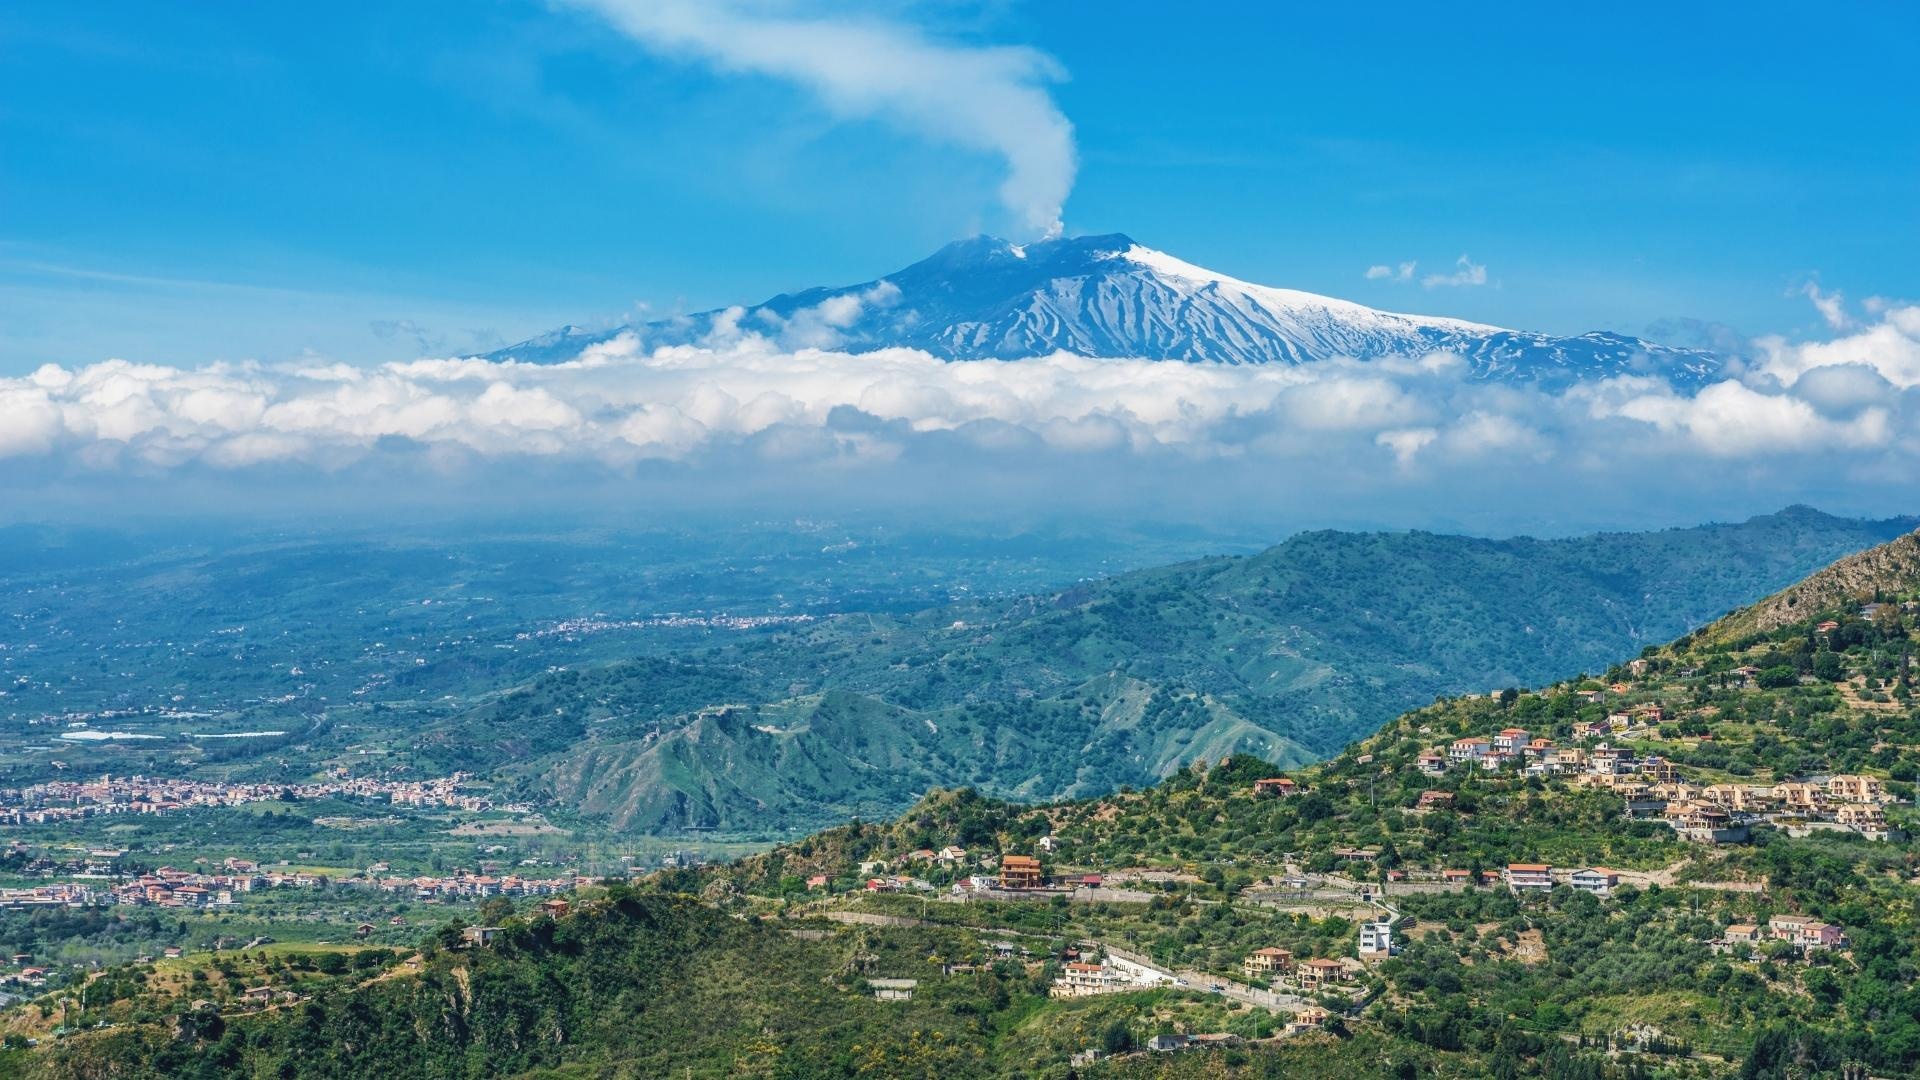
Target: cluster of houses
[(1007, 873), (175, 888), (1310, 975), (1109, 975), (62, 895), (1540, 878), (463, 885), (72, 800), (1539, 756), (1801, 932), (1652, 786), (1719, 813)]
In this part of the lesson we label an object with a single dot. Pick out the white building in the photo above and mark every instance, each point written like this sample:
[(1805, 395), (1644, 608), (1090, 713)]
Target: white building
[(1598, 881), (1376, 939)]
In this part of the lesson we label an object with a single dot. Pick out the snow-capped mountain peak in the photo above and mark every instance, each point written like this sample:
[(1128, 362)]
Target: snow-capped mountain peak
[(1107, 296)]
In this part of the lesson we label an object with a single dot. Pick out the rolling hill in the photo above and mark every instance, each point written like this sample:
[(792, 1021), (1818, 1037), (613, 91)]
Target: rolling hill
[(1289, 654)]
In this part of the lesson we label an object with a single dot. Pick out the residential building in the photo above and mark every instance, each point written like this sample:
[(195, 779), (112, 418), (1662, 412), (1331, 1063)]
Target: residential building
[(1266, 963), (1276, 785), (1803, 932), (1800, 796), (1020, 872), (1511, 740), (1464, 750), (1530, 877), (1433, 764), (1659, 770), (1318, 974), (1856, 789), (1610, 759), (1376, 939), (1598, 880), (1869, 820), (1311, 1018)]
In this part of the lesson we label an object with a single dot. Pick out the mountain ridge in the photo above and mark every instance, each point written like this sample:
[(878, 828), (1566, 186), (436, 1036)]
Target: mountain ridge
[(1120, 680)]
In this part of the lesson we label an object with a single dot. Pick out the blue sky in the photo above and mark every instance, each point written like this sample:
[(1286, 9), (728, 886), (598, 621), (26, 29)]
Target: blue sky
[(184, 183)]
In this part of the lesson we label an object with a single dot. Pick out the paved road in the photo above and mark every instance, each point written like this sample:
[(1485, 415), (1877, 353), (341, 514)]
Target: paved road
[(1201, 981)]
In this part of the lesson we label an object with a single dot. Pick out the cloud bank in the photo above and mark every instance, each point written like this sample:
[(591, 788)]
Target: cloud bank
[(992, 99), (1853, 400)]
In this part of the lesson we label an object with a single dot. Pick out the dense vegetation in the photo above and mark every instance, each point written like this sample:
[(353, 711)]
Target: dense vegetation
[(1289, 654)]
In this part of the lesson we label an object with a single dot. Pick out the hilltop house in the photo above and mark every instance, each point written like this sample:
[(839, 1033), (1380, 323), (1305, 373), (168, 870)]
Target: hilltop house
[(1275, 785), (1857, 789), (1704, 823), (1659, 770), (1020, 872), (1311, 1018), (1530, 877), (1317, 974), (1869, 821), (1078, 979), (1376, 939), (1511, 740), (1806, 933), (1464, 750), (1266, 963), (1799, 796), (1608, 759), (1431, 799), (892, 989), (1598, 881), (1433, 764)]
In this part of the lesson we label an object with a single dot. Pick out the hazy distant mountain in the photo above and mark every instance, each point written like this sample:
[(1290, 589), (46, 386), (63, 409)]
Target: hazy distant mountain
[(1106, 296), (1289, 654)]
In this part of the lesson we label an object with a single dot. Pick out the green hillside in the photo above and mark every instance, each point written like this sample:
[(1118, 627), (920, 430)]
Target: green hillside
[(1288, 655), (1787, 951)]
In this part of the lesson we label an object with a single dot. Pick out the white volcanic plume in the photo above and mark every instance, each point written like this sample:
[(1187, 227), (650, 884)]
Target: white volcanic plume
[(988, 98)]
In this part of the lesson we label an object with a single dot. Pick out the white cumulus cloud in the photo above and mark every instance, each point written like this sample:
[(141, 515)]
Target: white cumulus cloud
[(1466, 273)]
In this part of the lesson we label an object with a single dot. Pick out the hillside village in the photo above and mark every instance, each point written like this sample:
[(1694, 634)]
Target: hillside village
[(1684, 861)]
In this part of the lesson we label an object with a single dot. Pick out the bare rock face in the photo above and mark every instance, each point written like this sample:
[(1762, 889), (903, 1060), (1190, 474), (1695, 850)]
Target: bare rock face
[(1892, 567)]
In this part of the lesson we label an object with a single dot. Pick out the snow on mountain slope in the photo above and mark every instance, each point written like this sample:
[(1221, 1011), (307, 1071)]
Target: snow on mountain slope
[(1106, 296)]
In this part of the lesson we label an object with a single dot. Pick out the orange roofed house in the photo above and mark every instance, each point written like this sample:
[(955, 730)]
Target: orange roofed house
[(1263, 963), (1529, 877), (1020, 872)]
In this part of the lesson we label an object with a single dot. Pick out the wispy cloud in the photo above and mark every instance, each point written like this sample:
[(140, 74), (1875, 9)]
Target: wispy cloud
[(1382, 272), (1467, 273), (989, 98), (1832, 306)]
